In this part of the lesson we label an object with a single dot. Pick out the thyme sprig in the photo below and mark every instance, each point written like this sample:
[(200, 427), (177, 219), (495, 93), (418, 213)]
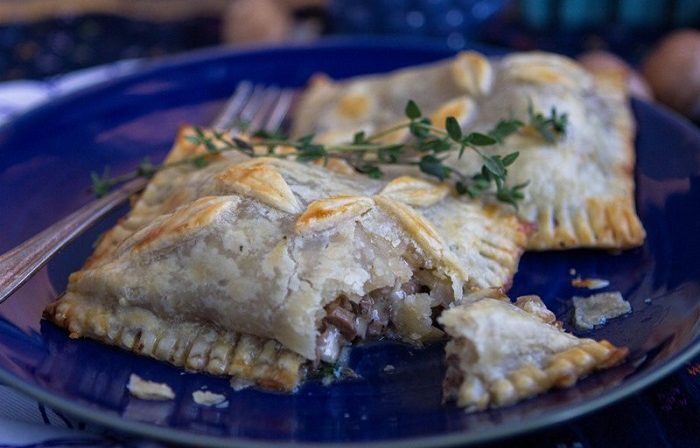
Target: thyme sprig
[(549, 128), (427, 149)]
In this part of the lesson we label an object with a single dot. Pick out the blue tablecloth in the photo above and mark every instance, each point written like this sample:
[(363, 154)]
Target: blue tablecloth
[(666, 414)]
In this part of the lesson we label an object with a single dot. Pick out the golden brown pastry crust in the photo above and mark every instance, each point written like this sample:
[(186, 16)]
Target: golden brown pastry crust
[(503, 353), (581, 191), (260, 246), (193, 346)]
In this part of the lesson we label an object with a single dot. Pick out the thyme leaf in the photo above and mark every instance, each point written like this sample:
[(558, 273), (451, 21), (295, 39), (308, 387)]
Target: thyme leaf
[(412, 111), (549, 127), (505, 128)]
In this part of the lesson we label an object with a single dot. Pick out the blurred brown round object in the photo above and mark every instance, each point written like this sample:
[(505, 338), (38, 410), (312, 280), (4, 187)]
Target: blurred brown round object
[(605, 63), (250, 21), (672, 69)]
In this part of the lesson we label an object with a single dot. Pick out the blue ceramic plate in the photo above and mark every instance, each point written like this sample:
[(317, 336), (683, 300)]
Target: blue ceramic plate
[(45, 158)]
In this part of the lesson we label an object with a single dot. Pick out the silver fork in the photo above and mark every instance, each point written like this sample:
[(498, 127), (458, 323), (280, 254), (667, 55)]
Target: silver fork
[(257, 106)]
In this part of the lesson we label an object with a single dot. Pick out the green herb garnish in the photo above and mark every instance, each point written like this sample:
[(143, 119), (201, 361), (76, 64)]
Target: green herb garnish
[(551, 127), (427, 149)]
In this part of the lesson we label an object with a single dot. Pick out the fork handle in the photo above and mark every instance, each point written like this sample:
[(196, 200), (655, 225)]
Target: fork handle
[(19, 264)]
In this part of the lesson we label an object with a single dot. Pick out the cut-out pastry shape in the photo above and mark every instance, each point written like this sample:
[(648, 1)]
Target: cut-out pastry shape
[(324, 214), (323, 107), (258, 178), (254, 267), (501, 353), (581, 185), (414, 191)]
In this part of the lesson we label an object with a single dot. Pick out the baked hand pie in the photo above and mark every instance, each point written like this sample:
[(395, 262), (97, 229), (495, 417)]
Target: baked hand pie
[(253, 267), (501, 353), (581, 184)]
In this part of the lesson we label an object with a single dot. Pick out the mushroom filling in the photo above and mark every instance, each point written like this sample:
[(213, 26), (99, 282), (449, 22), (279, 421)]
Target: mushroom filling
[(406, 312)]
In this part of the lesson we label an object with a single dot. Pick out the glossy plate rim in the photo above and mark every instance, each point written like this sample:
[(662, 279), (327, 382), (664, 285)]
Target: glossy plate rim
[(135, 428)]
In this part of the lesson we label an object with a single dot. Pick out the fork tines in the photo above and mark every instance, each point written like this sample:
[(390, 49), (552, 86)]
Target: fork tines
[(255, 107)]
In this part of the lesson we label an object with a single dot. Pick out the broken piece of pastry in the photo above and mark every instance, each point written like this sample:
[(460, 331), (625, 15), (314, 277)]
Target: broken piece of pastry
[(581, 183), (501, 353), (595, 310), (254, 267)]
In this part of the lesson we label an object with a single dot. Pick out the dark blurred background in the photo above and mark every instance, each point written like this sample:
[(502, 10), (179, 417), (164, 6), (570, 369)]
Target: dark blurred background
[(44, 38)]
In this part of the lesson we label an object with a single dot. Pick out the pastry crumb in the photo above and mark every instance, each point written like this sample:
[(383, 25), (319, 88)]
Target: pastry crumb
[(590, 283), (206, 398), (238, 384), (647, 300), (572, 271), (389, 368), (149, 390), (595, 310)]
